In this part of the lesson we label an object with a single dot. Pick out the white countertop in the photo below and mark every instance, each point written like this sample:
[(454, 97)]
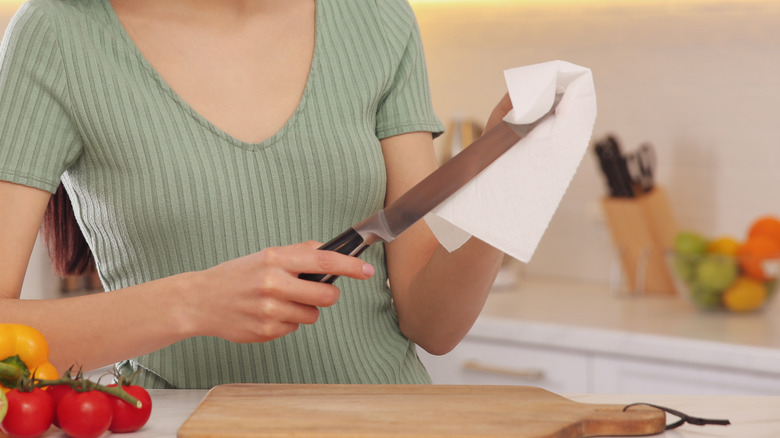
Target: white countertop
[(753, 417), (584, 316), (576, 315)]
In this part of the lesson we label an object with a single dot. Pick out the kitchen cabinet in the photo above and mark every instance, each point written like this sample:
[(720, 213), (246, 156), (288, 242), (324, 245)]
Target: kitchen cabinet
[(572, 338), (476, 362), (479, 362), (624, 376)]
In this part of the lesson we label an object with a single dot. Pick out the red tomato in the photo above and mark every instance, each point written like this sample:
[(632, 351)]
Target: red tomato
[(57, 392), (29, 413), (128, 418), (84, 414)]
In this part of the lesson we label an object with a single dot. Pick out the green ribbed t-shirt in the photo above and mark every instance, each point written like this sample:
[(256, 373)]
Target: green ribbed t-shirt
[(159, 190)]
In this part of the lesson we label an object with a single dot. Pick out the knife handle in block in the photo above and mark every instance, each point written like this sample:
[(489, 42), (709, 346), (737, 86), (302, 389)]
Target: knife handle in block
[(349, 243)]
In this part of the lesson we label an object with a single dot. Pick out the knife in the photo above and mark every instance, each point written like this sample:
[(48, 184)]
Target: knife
[(388, 223), (613, 165), (641, 166)]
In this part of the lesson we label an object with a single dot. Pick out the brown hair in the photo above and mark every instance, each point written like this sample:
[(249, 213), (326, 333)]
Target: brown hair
[(69, 251)]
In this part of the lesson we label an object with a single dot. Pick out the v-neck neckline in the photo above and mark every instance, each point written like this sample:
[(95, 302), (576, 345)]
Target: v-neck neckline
[(168, 90)]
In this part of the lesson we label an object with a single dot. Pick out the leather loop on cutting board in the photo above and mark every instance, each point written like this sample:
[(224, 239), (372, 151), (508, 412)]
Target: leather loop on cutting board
[(684, 418)]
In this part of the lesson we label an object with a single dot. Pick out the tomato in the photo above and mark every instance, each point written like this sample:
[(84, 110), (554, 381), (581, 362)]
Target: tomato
[(29, 413), (84, 414), (128, 418), (57, 393)]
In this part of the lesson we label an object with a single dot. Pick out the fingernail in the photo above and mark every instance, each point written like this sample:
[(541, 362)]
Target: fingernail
[(368, 270)]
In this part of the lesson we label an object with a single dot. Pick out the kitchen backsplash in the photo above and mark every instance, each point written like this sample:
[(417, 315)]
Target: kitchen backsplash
[(698, 79)]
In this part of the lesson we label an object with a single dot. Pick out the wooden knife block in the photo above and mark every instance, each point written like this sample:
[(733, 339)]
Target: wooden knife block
[(643, 230)]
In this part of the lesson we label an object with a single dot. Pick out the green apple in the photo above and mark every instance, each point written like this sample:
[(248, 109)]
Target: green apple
[(771, 287), (716, 272), (684, 267), (690, 243), (705, 298), (3, 405)]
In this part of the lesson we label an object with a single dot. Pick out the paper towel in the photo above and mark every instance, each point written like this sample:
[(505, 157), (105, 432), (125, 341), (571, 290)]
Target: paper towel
[(510, 204)]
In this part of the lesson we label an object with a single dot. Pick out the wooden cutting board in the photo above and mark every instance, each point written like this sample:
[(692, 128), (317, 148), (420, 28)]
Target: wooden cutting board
[(259, 410)]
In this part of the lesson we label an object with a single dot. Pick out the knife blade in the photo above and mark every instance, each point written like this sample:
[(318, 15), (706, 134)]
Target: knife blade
[(386, 224)]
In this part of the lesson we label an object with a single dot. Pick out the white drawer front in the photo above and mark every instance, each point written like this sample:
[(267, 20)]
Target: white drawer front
[(629, 376), (488, 363)]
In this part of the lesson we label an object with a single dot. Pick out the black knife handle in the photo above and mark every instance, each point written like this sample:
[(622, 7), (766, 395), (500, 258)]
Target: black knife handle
[(349, 242)]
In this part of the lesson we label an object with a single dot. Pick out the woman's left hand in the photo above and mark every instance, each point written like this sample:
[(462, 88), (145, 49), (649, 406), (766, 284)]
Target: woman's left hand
[(499, 112)]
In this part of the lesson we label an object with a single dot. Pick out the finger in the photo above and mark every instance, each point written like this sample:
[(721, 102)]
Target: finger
[(288, 312), (311, 244), (505, 104), (280, 285), (499, 112), (300, 259), (334, 263), (272, 330), (312, 293)]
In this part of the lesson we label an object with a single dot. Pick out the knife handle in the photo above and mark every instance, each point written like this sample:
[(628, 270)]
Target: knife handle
[(349, 242)]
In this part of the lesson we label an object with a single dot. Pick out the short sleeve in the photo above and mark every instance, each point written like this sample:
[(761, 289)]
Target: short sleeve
[(38, 135), (407, 106)]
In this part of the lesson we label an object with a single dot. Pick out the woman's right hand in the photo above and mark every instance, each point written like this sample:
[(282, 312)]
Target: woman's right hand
[(259, 297)]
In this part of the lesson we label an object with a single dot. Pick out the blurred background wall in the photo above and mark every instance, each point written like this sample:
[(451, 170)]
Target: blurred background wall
[(698, 79)]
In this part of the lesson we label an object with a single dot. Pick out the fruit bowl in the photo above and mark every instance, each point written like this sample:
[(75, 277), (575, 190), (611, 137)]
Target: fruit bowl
[(735, 283), (727, 273)]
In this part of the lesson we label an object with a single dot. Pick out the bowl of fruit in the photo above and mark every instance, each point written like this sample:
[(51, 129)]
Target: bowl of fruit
[(725, 273)]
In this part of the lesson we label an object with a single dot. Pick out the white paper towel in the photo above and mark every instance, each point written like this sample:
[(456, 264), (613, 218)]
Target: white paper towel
[(510, 204)]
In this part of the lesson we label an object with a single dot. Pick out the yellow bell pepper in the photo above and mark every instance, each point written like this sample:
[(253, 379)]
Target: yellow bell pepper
[(31, 346)]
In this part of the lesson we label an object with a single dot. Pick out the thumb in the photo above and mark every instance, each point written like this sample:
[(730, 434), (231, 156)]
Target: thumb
[(499, 112)]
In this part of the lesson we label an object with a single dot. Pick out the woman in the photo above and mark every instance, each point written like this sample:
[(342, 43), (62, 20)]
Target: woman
[(200, 142)]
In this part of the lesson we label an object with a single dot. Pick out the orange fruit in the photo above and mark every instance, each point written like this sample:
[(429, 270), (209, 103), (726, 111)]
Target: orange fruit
[(754, 252), (725, 245), (45, 371), (745, 295), (31, 346), (766, 226)]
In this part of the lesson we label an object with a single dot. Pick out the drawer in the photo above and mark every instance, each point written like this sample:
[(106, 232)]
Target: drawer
[(478, 362), (630, 376)]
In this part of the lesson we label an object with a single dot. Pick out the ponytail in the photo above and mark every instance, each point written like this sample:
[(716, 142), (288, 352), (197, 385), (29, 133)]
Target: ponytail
[(68, 249)]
